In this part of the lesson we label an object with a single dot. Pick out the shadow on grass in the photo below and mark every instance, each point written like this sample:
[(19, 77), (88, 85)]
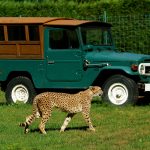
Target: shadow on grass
[(142, 101), (84, 128), (3, 104), (145, 101)]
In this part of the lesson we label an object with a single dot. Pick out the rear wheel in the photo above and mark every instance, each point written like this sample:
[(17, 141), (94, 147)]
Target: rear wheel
[(120, 90), (20, 90)]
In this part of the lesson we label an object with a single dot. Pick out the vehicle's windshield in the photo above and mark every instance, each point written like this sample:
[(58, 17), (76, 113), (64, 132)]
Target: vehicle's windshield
[(96, 36)]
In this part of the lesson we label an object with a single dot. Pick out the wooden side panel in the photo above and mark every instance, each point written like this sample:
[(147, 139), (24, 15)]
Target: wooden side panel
[(25, 50), (8, 49), (30, 50)]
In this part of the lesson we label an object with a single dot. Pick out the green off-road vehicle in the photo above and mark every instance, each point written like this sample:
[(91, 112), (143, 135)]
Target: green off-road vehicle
[(42, 53)]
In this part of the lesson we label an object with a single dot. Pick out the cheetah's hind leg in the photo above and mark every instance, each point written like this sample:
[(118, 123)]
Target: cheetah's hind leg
[(45, 117)]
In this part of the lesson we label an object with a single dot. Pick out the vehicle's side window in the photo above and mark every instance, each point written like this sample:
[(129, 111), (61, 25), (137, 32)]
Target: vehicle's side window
[(16, 32), (63, 39), (1, 33), (34, 33)]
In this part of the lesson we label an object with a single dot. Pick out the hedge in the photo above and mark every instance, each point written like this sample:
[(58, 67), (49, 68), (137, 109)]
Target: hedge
[(70, 8)]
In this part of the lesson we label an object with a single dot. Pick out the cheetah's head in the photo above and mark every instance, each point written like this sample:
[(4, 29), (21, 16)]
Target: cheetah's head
[(97, 91)]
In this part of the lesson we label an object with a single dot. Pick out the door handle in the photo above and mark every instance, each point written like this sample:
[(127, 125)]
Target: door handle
[(51, 62)]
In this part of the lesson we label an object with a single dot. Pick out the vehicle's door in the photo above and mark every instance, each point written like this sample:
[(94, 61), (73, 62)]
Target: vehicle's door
[(64, 56)]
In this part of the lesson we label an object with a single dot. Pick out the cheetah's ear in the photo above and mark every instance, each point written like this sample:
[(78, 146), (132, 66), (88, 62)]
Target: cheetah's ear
[(90, 87)]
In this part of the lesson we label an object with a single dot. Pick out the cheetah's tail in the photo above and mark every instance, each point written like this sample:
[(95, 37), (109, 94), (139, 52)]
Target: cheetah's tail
[(23, 124), (26, 127), (28, 122), (31, 118)]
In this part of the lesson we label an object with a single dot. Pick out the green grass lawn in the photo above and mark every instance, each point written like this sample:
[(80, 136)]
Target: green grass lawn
[(125, 128)]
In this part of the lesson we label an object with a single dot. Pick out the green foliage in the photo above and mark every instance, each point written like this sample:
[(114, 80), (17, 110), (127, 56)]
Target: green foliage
[(131, 32), (76, 8)]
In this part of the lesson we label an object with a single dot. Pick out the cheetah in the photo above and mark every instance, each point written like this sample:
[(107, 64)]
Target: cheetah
[(71, 103)]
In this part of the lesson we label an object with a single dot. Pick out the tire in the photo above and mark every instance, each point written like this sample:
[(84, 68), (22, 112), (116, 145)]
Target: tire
[(20, 90), (120, 90)]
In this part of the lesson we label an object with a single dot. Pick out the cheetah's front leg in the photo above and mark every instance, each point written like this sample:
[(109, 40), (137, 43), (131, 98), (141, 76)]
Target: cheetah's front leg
[(66, 122)]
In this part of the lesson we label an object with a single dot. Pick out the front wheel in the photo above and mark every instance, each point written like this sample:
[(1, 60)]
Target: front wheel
[(120, 90), (20, 90)]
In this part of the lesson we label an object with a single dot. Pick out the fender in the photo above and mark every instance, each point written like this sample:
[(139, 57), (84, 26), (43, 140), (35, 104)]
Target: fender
[(125, 69)]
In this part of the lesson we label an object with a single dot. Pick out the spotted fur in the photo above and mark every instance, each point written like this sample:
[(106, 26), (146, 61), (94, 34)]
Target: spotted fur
[(71, 103)]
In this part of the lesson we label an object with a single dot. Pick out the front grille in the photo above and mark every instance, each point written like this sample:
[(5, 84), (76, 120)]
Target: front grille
[(147, 69)]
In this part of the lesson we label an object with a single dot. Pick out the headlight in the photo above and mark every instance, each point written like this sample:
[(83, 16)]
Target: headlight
[(142, 69)]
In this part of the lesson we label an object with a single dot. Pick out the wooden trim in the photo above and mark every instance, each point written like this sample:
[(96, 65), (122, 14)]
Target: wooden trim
[(27, 32), (26, 57), (19, 42), (18, 49), (41, 32), (5, 33)]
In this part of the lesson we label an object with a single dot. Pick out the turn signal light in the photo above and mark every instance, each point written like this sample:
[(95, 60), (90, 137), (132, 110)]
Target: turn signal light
[(134, 67)]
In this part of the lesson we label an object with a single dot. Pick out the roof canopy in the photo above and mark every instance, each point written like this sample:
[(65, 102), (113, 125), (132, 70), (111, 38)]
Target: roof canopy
[(25, 20), (48, 21)]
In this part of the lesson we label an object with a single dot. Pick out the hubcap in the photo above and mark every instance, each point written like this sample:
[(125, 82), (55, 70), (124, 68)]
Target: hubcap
[(118, 93), (20, 93)]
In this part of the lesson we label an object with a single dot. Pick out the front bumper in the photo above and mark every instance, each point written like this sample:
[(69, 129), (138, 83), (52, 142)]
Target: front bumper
[(144, 86), (147, 87)]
